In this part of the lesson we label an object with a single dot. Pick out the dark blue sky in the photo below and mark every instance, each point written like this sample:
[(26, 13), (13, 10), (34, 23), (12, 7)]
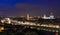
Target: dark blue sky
[(33, 7)]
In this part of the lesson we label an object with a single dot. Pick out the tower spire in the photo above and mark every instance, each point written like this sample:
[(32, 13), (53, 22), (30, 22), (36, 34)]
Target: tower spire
[(27, 16)]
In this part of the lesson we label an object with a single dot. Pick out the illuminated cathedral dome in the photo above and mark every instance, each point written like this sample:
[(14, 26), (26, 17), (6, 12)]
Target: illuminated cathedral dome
[(50, 17)]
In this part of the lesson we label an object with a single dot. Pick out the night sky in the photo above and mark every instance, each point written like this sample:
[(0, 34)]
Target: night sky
[(33, 7)]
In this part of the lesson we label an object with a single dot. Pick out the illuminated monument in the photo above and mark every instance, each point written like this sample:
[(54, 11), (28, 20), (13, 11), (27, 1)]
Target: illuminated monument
[(27, 16), (50, 17)]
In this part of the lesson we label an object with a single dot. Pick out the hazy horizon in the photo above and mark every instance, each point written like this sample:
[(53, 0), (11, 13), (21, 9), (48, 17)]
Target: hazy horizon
[(33, 7)]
